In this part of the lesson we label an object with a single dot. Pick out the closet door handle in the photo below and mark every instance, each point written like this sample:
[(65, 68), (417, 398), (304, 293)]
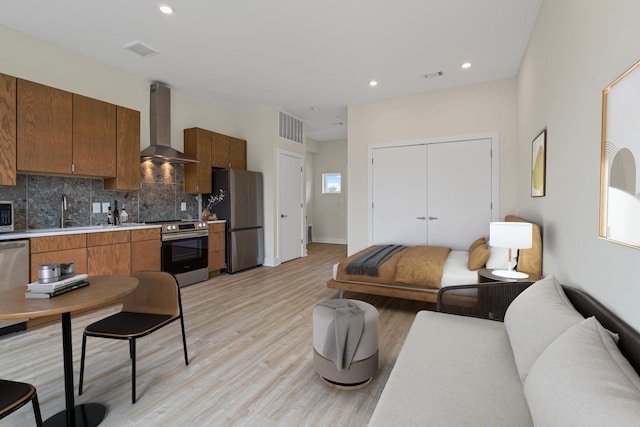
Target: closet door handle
[(284, 216), (431, 218), (421, 217)]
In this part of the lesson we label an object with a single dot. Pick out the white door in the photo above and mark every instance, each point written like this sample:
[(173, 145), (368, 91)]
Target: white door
[(290, 205), (399, 207), (459, 192)]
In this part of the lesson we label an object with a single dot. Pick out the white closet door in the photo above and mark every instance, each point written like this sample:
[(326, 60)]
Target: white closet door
[(459, 192), (399, 193)]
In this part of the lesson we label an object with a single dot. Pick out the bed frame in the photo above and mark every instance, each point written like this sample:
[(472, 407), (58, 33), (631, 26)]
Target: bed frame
[(529, 261)]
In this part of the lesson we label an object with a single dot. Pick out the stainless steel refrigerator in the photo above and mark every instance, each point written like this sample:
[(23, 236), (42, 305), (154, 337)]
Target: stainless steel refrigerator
[(242, 207)]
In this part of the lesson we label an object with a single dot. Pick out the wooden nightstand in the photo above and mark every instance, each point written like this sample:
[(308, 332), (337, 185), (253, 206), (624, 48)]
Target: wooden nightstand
[(485, 276)]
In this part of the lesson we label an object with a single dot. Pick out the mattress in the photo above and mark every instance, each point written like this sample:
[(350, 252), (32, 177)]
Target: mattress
[(456, 270)]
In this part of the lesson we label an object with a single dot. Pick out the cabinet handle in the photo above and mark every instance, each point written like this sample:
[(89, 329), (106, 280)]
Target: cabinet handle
[(421, 217), (431, 218)]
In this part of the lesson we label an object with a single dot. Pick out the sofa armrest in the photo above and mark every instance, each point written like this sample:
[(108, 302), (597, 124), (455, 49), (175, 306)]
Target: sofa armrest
[(484, 300)]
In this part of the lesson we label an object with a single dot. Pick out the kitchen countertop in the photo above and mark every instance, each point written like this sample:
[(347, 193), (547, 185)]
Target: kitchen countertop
[(27, 234)]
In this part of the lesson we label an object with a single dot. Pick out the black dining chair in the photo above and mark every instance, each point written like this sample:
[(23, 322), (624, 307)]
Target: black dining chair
[(14, 395), (154, 304)]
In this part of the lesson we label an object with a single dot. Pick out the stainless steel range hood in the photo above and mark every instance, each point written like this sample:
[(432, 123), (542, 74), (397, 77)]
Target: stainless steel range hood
[(160, 112)]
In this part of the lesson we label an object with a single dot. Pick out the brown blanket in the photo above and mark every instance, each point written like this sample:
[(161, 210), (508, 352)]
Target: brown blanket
[(417, 266)]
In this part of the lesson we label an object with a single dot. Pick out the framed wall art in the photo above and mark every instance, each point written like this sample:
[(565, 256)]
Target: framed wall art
[(539, 164), (620, 152)]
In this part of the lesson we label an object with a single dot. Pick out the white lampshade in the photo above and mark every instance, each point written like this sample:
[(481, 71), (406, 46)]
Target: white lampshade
[(513, 235)]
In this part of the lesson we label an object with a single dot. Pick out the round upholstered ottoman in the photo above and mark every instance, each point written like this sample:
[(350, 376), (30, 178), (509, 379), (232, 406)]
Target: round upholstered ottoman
[(339, 317)]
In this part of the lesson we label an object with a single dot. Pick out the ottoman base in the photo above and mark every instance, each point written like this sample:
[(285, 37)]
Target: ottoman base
[(358, 375)]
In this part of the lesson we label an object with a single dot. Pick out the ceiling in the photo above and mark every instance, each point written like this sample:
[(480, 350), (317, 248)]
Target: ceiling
[(310, 59)]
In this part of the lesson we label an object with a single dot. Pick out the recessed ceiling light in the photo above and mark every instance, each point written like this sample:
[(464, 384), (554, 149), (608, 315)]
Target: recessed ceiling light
[(166, 9), (466, 65), (373, 83)]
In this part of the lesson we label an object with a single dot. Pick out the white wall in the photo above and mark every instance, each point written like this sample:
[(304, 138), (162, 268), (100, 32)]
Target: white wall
[(577, 48), (483, 108), (330, 210)]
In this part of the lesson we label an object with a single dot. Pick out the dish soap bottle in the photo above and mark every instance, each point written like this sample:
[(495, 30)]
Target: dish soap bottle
[(124, 216)]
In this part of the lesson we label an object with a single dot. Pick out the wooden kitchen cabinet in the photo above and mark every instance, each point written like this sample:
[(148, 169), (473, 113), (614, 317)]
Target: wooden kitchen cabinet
[(220, 151), (58, 249), (7, 130), (127, 151), (145, 249), (94, 137), (109, 253), (217, 246), (44, 128), (197, 176), (228, 152), (237, 153)]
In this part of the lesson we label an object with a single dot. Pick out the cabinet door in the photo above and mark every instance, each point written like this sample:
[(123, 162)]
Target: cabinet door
[(399, 208), (145, 255), (220, 152), (237, 153), (94, 137), (44, 129), (109, 260), (77, 256), (127, 151), (7, 130), (197, 176), (217, 246)]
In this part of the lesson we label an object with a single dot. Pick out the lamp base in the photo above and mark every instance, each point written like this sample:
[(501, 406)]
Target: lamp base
[(510, 274)]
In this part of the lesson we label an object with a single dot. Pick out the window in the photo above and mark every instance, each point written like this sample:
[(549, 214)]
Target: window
[(331, 183)]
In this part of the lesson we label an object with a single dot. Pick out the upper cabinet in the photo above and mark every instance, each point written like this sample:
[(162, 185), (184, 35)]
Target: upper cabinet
[(45, 137), (197, 176), (94, 137), (228, 152), (7, 130), (51, 131), (127, 151), (237, 153)]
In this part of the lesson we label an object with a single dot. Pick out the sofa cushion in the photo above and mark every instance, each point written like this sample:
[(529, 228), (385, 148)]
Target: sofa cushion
[(453, 371), (582, 379), (539, 315)]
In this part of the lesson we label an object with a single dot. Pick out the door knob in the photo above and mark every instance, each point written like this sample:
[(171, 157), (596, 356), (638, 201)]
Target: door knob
[(283, 216), (421, 217), (432, 218)]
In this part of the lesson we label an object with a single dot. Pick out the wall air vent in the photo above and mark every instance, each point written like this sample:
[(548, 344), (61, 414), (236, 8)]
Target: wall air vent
[(290, 128), (433, 75), (141, 49)]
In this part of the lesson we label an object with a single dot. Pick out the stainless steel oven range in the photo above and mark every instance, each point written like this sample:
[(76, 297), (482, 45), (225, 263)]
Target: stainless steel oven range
[(185, 250)]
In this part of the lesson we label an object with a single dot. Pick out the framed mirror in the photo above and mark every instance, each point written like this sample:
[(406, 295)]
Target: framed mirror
[(620, 157)]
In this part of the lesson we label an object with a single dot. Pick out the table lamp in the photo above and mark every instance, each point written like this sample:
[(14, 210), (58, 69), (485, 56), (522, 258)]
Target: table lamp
[(510, 235)]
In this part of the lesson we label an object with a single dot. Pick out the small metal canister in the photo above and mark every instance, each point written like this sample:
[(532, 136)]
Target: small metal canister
[(48, 273)]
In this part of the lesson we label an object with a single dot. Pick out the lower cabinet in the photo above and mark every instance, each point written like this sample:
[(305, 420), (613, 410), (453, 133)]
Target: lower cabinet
[(145, 249), (217, 246), (106, 253), (109, 253)]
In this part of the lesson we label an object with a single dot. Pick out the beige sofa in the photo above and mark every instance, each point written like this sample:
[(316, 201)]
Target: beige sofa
[(544, 365)]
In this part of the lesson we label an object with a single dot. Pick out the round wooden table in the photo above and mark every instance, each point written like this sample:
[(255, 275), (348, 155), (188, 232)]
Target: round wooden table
[(102, 290)]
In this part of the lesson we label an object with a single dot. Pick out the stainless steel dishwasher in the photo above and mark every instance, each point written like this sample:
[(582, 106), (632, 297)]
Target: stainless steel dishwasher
[(14, 268)]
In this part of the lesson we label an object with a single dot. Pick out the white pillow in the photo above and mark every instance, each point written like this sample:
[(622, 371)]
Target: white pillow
[(499, 257), (539, 315), (582, 379)]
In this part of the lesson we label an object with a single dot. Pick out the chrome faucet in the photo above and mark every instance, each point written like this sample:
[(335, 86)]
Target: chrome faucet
[(63, 208)]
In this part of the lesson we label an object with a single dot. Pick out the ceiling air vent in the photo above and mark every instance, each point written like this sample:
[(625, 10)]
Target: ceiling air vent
[(290, 128), (141, 49)]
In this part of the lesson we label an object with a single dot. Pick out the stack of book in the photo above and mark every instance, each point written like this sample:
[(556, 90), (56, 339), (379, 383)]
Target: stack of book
[(49, 290)]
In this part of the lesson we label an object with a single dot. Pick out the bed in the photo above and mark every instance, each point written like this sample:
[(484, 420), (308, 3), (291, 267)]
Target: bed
[(404, 274)]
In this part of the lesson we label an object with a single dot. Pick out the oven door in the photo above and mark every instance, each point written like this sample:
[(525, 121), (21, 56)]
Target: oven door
[(182, 253)]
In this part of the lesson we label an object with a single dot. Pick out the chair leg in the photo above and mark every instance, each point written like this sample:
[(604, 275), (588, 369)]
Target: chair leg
[(36, 409), (132, 352), (184, 341), (84, 346)]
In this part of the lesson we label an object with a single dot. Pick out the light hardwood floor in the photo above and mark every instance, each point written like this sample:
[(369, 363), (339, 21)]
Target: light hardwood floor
[(249, 338)]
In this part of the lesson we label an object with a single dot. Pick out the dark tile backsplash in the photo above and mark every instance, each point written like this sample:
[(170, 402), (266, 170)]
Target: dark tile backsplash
[(37, 198)]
